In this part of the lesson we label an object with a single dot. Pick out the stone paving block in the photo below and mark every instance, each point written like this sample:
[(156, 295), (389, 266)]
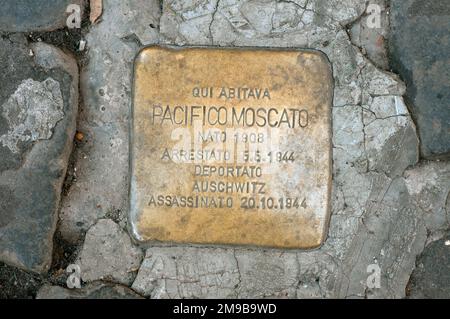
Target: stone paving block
[(385, 207), (102, 159), (38, 108), (431, 278), (420, 52), (108, 254)]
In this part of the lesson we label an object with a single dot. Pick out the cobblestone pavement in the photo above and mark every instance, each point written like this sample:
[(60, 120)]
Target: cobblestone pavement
[(65, 103)]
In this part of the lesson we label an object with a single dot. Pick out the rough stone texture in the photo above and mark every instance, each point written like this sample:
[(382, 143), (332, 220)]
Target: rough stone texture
[(376, 218), (32, 111), (187, 273), (108, 254), (102, 159), (420, 52), (384, 208), (96, 290), (429, 186), (38, 107), (190, 272), (264, 275), (431, 278), (370, 37), (35, 15)]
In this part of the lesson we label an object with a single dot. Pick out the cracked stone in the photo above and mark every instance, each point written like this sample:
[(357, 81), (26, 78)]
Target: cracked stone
[(379, 241), (194, 272), (385, 207), (420, 52), (370, 32), (265, 275), (108, 254), (416, 202), (96, 290), (389, 131), (232, 22), (38, 107), (36, 15), (428, 184), (374, 142), (178, 272), (113, 43)]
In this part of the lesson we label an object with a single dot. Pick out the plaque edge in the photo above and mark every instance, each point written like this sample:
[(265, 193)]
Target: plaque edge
[(132, 213)]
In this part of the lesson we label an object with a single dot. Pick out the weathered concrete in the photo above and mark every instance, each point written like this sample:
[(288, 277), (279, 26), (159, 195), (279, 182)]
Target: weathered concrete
[(187, 273), (374, 142), (384, 208), (428, 185), (108, 254), (102, 158), (38, 107), (370, 33)]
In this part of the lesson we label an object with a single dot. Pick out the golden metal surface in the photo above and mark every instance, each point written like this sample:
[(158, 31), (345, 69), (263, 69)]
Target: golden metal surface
[(231, 146)]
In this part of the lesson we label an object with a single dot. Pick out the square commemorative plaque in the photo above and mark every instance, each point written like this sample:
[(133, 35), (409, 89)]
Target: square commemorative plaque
[(231, 147)]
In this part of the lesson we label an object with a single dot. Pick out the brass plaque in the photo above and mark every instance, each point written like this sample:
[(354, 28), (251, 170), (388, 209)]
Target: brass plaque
[(231, 146)]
